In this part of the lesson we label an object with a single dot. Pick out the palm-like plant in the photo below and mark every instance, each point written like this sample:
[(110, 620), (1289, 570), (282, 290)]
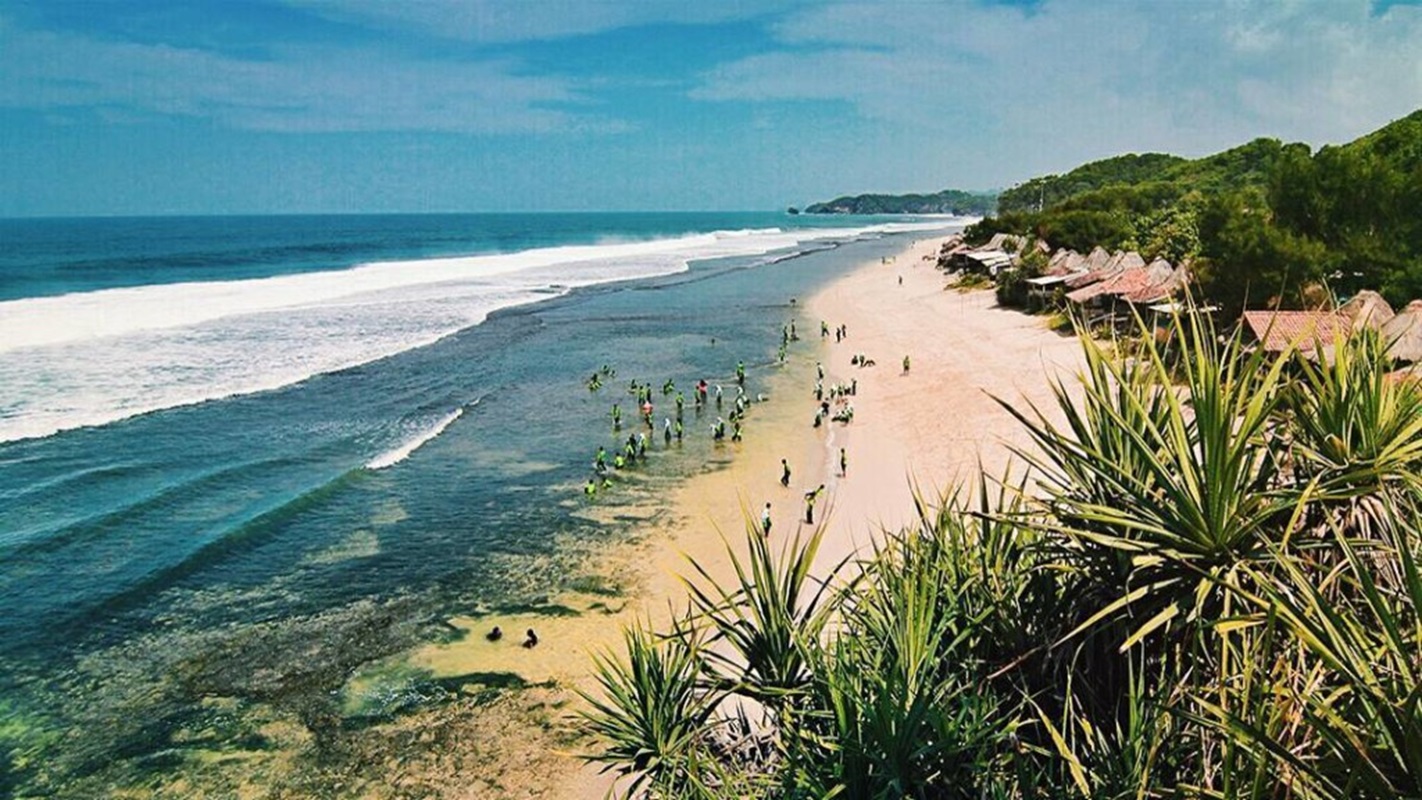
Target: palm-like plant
[(653, 714), (1355, 686), (1355, 430), (1128, 755), (896, 709), (1154, 486), (761, 624)]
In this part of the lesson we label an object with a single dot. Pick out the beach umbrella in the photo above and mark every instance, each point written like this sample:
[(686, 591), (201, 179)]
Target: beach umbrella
[(1403, 333), (1367, 309)]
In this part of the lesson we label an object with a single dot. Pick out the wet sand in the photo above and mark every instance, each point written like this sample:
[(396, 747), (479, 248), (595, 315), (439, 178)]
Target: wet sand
[(930, 426)]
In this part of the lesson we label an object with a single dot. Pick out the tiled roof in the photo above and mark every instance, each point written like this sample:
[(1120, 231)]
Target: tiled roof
[(1278, 330), (1121, 284), (1165, 281)]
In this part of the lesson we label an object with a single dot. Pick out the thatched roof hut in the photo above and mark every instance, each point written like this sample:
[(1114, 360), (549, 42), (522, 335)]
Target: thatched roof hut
[(1065, 262), (1165, 281), (1122, 284), (1099, 266), (1097, 259), (1007, 242), (1367, 309), (1130, 260), (1403, 333)]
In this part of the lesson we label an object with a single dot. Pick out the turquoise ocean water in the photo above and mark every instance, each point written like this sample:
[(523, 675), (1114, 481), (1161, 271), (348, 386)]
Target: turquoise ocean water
[(241, 456)]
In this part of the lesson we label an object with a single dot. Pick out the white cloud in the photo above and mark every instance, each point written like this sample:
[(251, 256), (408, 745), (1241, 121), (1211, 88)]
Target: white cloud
[(1077, 79), (306, 90)]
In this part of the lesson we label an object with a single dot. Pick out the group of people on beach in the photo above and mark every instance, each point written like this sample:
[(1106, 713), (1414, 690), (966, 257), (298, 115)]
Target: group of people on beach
[(729, 423), (832, 402), (634, 449)]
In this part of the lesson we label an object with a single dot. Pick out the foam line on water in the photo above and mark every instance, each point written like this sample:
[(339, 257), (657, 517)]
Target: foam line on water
[(39, 321), (392, 457), (94, 358)]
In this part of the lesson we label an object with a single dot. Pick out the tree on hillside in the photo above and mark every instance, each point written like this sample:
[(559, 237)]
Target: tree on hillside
[(1245, 260)]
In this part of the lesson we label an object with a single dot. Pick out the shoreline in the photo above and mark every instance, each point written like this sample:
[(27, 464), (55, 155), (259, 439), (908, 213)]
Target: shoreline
[(928, 428)]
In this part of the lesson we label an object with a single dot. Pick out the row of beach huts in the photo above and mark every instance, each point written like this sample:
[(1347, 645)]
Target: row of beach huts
[(1111, 289), (1104, 285)]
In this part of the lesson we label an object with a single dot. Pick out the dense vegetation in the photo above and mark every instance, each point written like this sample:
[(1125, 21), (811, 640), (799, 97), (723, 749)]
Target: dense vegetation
[(1211, 589), (948, 201), (1266, 223), (1047, 191)]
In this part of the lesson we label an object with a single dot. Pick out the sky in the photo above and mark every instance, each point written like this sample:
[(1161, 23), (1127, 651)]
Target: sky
[(128, 107)]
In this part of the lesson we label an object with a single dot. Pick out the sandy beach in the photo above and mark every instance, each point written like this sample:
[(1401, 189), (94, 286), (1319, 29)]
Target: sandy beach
[(930, 427)]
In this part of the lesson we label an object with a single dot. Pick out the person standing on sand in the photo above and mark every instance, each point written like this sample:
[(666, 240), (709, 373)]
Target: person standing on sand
[(810, 498), (843, 463), (765, 520), (906, 365), (784, 473)]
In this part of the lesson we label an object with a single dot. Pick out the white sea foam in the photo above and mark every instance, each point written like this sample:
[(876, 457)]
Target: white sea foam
[(398, 454), (96, 357)]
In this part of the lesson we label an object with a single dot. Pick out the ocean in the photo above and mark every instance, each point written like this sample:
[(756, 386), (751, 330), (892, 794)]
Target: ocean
[(241, 457)]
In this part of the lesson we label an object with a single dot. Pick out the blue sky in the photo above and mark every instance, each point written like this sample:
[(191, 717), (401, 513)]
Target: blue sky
[(257, 106)]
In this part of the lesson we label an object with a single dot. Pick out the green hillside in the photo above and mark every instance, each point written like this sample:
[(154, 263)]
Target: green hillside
[(1266, 223), (948, 201), (1049, 190)]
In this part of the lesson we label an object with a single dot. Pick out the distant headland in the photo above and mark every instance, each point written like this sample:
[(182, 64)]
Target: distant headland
[(948, 201)]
